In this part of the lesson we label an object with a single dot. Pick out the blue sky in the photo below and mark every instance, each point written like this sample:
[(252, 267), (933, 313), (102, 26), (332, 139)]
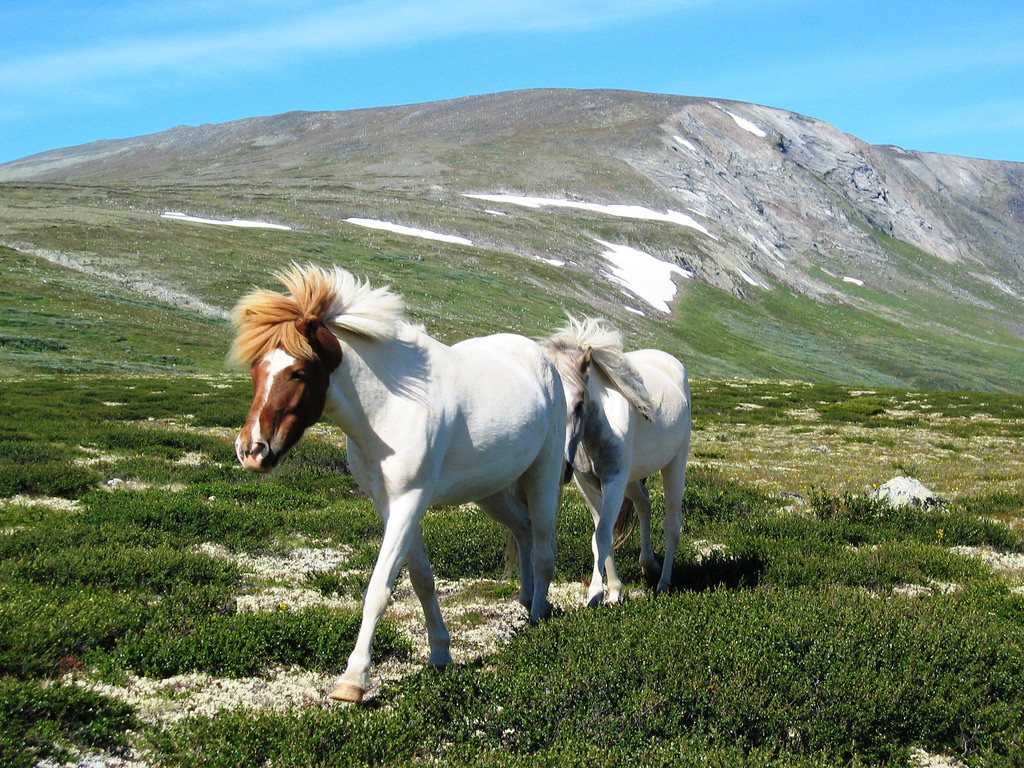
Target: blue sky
[(936, 76)]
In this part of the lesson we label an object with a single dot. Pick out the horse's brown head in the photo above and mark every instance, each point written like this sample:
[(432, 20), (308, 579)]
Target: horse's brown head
[(289, 393)]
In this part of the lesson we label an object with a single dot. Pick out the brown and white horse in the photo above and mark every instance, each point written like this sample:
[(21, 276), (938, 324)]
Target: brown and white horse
[(633, 410), (483, 420)]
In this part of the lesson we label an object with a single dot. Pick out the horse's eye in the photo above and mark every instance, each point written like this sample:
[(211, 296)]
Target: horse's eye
[(298, 375)]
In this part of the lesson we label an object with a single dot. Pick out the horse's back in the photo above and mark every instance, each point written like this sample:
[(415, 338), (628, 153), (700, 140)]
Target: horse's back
[(666, 381), (667, 433), (509, 362)]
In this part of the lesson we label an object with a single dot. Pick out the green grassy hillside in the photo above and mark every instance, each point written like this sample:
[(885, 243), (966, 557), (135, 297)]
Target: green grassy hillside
[(98, 281)]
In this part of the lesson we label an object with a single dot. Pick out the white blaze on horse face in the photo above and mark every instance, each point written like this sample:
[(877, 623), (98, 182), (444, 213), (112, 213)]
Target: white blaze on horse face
[(275, 362)]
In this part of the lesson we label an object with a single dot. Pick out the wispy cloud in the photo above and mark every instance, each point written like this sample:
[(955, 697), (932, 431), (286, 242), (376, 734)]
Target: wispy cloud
[(242, 36)]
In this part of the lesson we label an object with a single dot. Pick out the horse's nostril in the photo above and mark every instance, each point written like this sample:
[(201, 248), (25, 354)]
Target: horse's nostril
[(247, 450)]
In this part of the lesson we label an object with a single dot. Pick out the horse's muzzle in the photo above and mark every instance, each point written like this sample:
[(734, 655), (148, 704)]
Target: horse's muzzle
[(256, 457)]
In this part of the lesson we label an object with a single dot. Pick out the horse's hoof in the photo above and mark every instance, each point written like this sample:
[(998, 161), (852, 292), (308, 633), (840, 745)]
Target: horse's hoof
[(347, 692), (652, 574), (595, 601), (541, 616)]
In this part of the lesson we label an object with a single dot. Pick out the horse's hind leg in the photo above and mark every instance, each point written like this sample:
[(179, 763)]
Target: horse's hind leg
[(422, 578), (674, 477), (637, 493), (506, 509), (542, 487)]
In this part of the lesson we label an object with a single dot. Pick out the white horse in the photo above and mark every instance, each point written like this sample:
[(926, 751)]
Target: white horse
[(483, 420), (634, 413)]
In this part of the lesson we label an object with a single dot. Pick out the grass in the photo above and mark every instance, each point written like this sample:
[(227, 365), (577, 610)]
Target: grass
[(98, 282), (795, 640)]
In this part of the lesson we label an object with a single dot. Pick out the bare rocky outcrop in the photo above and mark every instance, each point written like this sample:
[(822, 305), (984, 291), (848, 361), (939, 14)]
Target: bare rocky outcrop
[(906, 492)]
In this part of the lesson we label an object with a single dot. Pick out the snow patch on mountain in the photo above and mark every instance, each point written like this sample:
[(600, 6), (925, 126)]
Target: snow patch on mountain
[(410, 231), (245, 223), (617, 209), (642, 274)]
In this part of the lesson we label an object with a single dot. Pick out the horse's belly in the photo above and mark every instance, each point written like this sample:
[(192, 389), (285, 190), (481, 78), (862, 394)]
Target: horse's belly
[(468, 475)]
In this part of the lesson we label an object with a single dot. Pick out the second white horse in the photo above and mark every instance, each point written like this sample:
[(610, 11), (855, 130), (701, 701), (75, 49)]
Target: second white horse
[(633, 413)]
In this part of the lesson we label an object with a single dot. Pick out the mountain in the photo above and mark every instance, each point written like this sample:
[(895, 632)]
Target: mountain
[(747, 239)]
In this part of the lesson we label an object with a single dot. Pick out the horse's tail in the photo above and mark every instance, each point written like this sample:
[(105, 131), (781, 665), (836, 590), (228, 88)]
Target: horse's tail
[(625, 523)]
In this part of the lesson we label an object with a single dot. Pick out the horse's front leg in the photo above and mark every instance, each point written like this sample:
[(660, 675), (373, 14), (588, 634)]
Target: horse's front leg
[(399, 519), (613, 490), (604, 500)]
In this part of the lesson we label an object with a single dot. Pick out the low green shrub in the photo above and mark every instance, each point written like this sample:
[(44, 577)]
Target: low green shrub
[(823, 565), (860, 519), (835, 673), (574, 528), (41, 468), (237, 516), (45, 631), (710, 498), (329, 583), (462, 542), (1003, 505), (864, 409), (163, 442), (744, 678), (120, 568), (247, 643), (42, 721)]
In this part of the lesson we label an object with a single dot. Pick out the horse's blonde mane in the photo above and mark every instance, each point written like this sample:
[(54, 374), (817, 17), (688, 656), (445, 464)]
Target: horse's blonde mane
[(605, 344), (265, 320)]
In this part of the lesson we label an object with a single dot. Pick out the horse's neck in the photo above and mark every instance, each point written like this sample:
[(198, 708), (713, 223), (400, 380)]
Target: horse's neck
[(373, 375), (611, 405)]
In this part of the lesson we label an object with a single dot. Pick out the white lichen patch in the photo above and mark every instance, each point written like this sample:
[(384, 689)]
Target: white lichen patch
[(52, 502), (289, 567), (804, 414), (94, 759), (919, 758), (196, 459), (164, 702), (1009, 564), (919, 590), (94, 456), (288, 599), (706, 549)]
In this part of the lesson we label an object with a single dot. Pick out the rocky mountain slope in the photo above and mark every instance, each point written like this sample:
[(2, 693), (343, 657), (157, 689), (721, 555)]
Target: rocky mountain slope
[(751, 239)]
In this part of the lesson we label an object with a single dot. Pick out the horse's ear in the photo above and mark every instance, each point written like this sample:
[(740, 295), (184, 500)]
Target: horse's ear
[(326, 346), (585, 361)]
